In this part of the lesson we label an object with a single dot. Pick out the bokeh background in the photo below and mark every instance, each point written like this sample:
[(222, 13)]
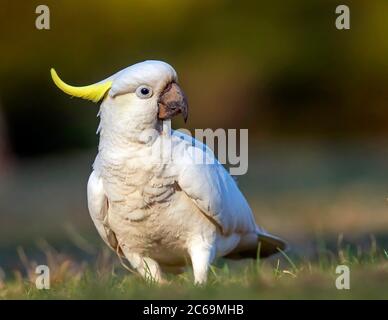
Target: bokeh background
[(314, 99)]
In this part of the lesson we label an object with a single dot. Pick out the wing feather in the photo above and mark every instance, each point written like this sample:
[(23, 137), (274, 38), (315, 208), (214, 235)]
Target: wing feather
[(98, 209), (210, 186)]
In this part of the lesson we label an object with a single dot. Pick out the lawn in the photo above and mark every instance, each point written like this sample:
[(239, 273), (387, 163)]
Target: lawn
[(283, 277)]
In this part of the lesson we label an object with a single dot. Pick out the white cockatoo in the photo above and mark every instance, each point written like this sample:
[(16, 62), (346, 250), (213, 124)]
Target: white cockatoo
[(157, 214)]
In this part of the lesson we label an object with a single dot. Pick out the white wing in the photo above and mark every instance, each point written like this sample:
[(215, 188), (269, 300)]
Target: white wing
[(210, 186), (98, 209)]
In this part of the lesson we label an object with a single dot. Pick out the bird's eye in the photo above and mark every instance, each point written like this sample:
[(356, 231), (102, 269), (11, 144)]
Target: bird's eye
[(144, 92)]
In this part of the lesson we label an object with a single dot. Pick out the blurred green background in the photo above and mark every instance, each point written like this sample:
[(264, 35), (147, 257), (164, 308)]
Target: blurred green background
[(314, 99)]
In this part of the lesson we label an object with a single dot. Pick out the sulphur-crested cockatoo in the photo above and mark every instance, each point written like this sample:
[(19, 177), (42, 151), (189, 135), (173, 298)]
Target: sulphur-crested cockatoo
[(150, 198)]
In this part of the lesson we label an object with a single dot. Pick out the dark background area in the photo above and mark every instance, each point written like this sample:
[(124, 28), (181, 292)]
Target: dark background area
[(279, 68)]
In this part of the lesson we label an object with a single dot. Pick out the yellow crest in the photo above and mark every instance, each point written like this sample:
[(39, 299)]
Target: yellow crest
[(94, 92)]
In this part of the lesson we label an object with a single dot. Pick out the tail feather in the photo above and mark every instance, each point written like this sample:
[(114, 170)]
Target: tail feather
[(263, 246)]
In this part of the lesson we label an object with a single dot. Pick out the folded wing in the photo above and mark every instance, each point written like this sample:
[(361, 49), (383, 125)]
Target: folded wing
[(210, 186)]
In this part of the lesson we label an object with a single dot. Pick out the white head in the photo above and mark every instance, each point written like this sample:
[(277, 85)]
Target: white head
[(135, 99)]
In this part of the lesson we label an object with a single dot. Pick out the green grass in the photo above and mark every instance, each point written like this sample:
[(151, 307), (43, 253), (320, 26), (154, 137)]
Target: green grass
[(283, 278)]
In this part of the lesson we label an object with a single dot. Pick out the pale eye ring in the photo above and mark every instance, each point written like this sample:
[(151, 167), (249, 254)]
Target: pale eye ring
[(144, 92)]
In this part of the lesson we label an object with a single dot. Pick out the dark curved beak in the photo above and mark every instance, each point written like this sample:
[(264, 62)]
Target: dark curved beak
[(172, 101)]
